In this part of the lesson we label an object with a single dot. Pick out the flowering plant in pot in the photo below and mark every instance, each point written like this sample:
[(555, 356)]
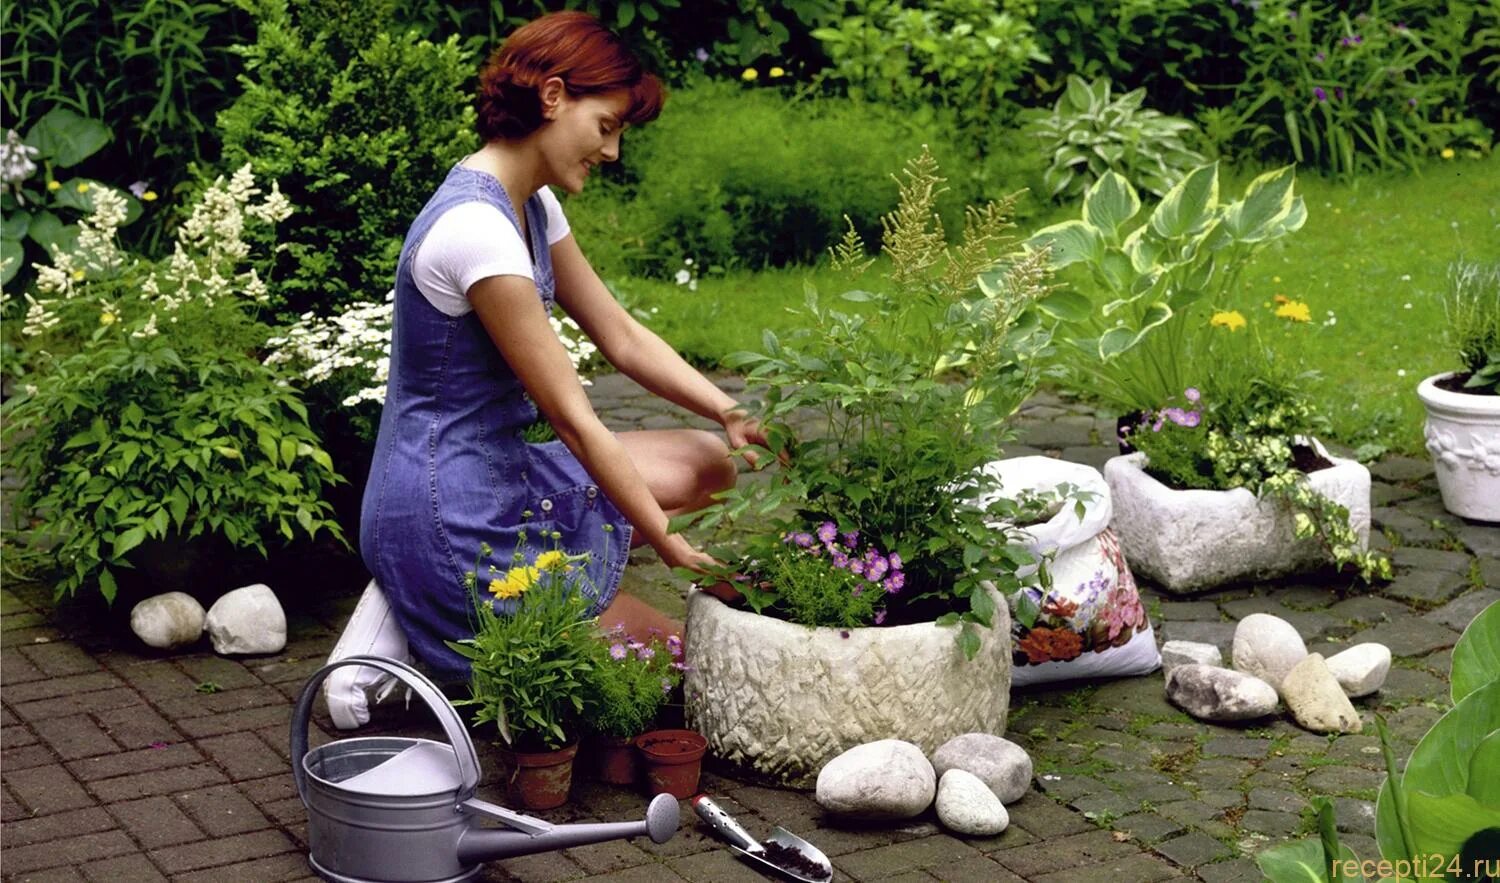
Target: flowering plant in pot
[(630, 683), (533, 657), (911, 379), (1463, 407)]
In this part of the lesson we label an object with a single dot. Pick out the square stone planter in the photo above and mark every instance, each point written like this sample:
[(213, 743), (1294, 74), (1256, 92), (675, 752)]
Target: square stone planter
[(779, 700), (1190, 540)]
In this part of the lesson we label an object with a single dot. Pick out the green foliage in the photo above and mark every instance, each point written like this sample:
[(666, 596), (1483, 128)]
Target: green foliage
[(1349, 92), (732, 179), (914, 394), (532, 664), (814, 583), (1309, 860), (1471, 303), (1088, 134), (630, 683), (965, 56), (154, 71), (359, 126), (1150, 281)]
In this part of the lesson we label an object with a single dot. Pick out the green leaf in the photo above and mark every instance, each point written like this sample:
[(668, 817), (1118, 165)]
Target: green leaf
[(1442, 825), (1070, 242), (982, 605), (13, 227), (288, 451), (1476, 657), (1026, 609), (1110, 202), (1484, 771), (10, 259), (1268, 201), (66, 138), (968, 641), (107, 586), (1302, 861), (1066, 306), (1190, 205), (128, 540), (1116, 341)]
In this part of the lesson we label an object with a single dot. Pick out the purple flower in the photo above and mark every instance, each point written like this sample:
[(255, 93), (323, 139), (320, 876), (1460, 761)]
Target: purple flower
[(1319, 57), (857, 567), (1156, 427), (617, 651), (880, 616), (1319, 94), (802, 539), (895, 582), (850, 538), (1412, 102), (840, 560), (635, 645), (895, 561), (1191, 419), (1358, 39), (645, 653), (1192, 394), (139, 188), (701, 54), (859, 589), (666, 687), (1291, 14), (843, 633), (1345, 42), (1400, 25), (674, 646), (827, 531), (1181, 417), (1338, 92)]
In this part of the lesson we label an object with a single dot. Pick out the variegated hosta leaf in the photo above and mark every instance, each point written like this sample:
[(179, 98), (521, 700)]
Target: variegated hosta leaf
[(1109, 203), (1267, 201), (1189, 206), (1070, 242), (1117, 341)]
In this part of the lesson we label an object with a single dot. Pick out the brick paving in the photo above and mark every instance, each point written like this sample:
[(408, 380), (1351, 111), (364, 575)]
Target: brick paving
[(123, 764)]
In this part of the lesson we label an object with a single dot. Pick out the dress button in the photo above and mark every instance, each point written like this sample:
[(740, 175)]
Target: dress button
[(593, 492), (546, 505)]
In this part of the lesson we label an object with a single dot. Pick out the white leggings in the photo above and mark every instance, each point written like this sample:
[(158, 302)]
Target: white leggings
[(372, 630)]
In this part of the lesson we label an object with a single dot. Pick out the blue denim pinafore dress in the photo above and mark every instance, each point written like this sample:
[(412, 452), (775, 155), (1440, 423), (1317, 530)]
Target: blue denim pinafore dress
[(451, 470)]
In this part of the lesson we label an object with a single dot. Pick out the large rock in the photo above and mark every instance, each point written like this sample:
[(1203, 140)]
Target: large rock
[(998, 762), (1219, 694), (168, 620), (1316, 700), (1361, 669), (1267, 647), (966, 805), (248, 620), (1175, 653), (1187, 540), (889, 779)]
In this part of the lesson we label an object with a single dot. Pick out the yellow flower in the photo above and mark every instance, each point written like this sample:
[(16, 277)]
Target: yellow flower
[(776, 72), (514, 583), (148, 196), (1276, 279), (1281, 299), (750, 75), (83, 187), (54, 185), (552, 561), (106, 318), (1230, 319), (1295, 311), (1447, 153), (78, 275)]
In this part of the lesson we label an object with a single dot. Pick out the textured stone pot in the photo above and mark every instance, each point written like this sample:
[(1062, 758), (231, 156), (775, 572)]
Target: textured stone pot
[(1463, 436), (1188, 540), (780, 700)]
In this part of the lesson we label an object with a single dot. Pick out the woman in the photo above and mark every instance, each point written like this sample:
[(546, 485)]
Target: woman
[(474, 359)]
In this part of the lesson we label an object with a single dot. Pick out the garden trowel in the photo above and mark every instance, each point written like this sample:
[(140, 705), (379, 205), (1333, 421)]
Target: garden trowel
[(783, 852)]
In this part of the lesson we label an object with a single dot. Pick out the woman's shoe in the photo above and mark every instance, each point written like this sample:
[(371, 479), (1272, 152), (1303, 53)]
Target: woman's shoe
[(372, 630)]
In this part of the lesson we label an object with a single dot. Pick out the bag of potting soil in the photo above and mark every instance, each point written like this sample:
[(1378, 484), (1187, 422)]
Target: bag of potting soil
[(1089, 621)]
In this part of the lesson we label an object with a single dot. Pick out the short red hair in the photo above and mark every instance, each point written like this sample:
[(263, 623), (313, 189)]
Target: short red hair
[(588, 57)]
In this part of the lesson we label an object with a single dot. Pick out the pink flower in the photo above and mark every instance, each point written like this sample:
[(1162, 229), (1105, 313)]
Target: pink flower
[(880, 616), (674, 646), (645, 653), (617, 651), (827, 531)]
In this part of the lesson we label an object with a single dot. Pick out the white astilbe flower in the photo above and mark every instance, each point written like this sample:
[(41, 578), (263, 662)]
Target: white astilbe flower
[(147, 330), (275, 209), (16, 162)]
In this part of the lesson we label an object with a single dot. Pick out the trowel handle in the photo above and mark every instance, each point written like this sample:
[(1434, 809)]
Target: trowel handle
[(724, 823)]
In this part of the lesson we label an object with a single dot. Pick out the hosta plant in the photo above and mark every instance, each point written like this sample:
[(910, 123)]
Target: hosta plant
[(1089, 132)]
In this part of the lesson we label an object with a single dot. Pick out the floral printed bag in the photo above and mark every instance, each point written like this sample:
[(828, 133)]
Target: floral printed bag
[(1090, 621)]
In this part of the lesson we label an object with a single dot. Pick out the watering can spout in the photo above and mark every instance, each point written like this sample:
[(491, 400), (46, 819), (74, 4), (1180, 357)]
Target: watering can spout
[(526, 835)]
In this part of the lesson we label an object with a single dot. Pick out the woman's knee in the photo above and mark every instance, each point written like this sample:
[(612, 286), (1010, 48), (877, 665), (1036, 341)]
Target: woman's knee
[(714, 466)]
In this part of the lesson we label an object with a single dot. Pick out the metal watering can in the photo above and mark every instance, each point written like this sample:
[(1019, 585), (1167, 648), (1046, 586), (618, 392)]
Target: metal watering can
[(383, 809)]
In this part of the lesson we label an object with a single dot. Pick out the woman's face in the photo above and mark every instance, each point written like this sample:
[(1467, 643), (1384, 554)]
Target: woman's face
[(584, 131)]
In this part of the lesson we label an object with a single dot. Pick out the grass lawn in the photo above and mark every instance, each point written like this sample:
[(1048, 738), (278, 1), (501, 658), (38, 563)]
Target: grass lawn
[(1373, 257)]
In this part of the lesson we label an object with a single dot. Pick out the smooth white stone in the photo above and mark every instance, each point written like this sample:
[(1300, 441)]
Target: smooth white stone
[(168, 620), (1361, 669), (1267, 647), (998, 762), (1219, 694), (966, 805), (248, 620), (1316, 700), (1175, 653), (888, 779)]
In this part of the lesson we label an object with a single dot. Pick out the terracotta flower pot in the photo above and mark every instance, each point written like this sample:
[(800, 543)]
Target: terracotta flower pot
[(539, 779), (673, 760), (615, 760)]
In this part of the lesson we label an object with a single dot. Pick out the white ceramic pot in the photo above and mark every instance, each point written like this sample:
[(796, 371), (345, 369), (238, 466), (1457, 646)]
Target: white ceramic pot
[(1463, 436), (1189, 540), (780, 700)]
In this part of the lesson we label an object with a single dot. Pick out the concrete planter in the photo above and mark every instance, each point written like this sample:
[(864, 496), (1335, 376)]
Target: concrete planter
[(1463, 436), (780, 700), (1188, 540)]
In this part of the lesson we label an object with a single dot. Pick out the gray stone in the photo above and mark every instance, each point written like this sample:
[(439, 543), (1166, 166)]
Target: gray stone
[(966, 805), (1197, 611), (1220, 634), (1316, 700), (1382, 494), (1267, 647), (1409, 527), (1361, 669), (1482, 540), (1409, 684), (1409, 636), (1401, 469), (247, 620), (1458, 613), (1175, 653), (167, 620), (1274, 824), (1219, 694), (1055, 434), (1354, 816), (1418, 558), (888, 779), (1368, 609), (1426, 586), (1191, 850), (998, 762)]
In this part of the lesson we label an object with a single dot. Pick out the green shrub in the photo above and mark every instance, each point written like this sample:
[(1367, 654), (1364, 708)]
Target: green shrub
[(747, 178), (1088, 134), (631, 681), (358, 142)]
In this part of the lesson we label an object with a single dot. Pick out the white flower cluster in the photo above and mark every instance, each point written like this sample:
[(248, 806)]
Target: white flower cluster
[(16, 162), (94, 255), (358, 340)]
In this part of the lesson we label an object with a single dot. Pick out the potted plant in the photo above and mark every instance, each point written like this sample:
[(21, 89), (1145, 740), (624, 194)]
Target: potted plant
[(630, 683), (874, 575), (1463, 407), (533, 662)]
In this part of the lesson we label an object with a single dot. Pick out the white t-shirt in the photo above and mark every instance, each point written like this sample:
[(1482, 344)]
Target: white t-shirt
[(471, 241)]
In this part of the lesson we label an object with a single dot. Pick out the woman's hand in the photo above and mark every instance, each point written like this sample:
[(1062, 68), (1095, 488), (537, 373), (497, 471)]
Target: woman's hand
[(675, 551), (742, 429)]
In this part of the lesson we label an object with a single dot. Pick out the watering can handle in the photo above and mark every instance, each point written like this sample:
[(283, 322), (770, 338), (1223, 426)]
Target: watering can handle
[(453, 725)]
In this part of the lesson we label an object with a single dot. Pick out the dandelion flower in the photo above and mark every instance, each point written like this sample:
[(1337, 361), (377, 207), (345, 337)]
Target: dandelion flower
[(1294, 311), (82, 187), (750, 75), (776, 72), (106, 318), (54, 185), (1281, 299), (1230, 319), (148, 196), (1447, 153)]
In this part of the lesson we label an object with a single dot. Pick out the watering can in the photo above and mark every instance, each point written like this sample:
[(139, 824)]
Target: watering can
[(384, 809)]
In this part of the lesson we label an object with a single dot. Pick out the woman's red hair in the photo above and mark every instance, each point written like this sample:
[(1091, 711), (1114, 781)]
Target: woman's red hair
[(588, 57)]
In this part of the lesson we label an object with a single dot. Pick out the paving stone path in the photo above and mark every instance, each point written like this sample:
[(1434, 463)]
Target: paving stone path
[(121, 764)]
